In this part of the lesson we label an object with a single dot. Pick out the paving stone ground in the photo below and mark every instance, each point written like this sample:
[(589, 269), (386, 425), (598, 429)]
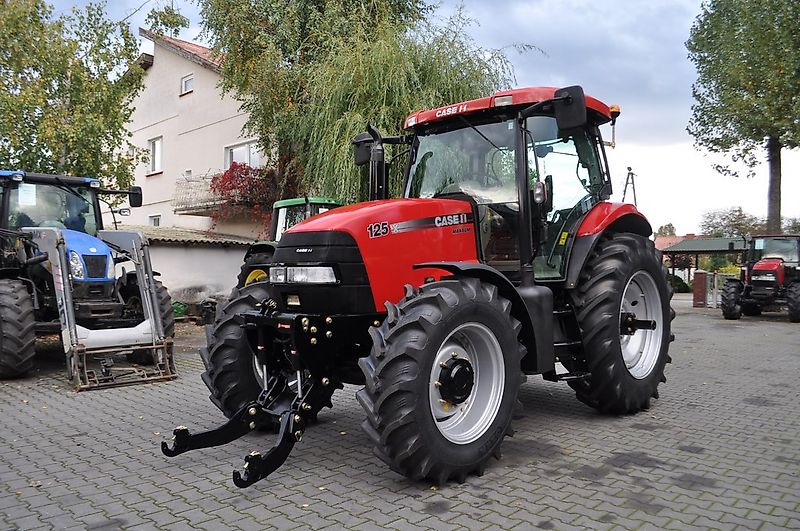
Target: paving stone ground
[(720, 449)]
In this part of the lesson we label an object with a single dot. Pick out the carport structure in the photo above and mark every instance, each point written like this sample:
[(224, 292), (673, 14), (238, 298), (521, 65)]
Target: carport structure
[(706, 246)]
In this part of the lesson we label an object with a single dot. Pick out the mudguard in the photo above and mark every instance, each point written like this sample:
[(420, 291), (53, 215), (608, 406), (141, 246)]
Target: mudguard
[(531, 305), (605, 216)]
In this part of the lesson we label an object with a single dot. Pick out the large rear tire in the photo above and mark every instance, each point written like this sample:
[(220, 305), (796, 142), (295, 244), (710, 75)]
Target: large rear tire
[(17, 329), (442, 380), (624, 276), (231, 374), (731, 306), (793, 301)]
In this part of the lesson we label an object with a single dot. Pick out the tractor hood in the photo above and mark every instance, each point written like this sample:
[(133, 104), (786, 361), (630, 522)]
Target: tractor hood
[(93, 253), (771, 268), (391, 236)]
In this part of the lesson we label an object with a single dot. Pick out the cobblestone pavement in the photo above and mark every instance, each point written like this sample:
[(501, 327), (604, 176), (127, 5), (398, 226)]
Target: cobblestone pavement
[(720, 449)]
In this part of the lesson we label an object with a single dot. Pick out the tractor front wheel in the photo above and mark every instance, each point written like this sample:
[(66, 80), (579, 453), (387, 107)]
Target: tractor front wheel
[(17, 334), (232, 373), (731, 307), (442, 380), (793, 301), (623, 308)]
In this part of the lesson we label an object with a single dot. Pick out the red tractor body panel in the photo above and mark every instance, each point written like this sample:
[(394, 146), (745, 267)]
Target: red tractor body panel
[(529, 95), (604, 214), (773, 265), (394, 235)]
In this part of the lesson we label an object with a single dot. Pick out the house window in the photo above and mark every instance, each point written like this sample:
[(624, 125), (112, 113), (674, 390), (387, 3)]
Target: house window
[(154, 147), (187, 84), (154, 221), (246, 153)]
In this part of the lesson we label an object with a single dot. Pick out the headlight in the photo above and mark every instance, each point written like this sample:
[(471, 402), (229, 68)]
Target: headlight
[(302, 275), (75, 265), (112, 270)]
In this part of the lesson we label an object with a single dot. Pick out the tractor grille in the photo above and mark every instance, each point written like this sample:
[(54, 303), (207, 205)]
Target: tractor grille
[(352, 294), (95, 266)]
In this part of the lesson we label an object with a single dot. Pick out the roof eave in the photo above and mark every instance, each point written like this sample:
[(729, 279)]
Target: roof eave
[(202, 61)]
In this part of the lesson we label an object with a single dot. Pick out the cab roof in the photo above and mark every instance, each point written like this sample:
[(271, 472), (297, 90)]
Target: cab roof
[(520, 96), (45, 178), (303, 200)]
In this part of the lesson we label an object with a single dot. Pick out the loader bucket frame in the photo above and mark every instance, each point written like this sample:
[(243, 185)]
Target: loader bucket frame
[(82, 345)]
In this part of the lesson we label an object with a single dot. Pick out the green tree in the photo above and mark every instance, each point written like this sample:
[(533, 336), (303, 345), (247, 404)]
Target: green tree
[(313, 74), (66, 85), (666, 230), (166, 20), (791, 225), (730, 223), (746, 53)]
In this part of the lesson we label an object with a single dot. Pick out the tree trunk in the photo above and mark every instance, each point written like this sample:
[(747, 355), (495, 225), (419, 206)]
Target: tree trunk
[(774, 194)]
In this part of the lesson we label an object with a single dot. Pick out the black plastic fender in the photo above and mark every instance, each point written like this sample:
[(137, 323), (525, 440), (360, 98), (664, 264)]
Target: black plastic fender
[(531, 305), (260, 247)]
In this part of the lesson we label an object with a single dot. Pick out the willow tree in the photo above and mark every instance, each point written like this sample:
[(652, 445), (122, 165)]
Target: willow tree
[(747, 54), (313, 74), (66, 87)]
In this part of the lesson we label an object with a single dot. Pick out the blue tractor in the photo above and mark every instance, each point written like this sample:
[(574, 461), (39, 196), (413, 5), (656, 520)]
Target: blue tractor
[(62, 273)]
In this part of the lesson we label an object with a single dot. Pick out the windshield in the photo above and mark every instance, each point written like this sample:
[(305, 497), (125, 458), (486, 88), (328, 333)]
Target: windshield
[(783, 248), (47, 205), (478, 159)]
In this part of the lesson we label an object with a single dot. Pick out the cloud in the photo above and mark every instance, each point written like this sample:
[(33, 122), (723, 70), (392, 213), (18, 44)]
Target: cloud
[(632, 54)]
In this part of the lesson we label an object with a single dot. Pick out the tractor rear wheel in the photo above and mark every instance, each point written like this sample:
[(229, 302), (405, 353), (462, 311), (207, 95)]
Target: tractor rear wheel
[(623, 282), (145, 357), (252, 269), (17, 329), (731, 307), (793, 301), (232, 374), (442, 380)]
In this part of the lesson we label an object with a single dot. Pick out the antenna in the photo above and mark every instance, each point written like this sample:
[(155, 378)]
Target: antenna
[(630, 181)]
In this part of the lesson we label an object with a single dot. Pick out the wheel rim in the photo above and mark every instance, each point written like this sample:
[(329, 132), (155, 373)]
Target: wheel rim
[(641, 350), (256, 275), (462, 412)]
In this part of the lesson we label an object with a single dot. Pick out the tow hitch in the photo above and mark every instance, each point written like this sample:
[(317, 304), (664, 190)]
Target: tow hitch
[(266, 411)]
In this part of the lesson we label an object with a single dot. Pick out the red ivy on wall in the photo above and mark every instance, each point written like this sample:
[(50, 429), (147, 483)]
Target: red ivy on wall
[(248, 193)]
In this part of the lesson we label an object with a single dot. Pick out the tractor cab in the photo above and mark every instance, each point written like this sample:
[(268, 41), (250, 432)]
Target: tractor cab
[(475, 155)]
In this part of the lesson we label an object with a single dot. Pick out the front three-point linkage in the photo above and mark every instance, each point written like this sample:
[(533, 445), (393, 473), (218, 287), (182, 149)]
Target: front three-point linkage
[(259, 414)]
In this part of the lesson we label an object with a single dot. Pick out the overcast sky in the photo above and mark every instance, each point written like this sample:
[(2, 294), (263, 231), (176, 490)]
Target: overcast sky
[(629, 53)]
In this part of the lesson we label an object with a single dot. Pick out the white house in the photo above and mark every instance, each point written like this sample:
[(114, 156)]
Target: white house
[(191, 131)]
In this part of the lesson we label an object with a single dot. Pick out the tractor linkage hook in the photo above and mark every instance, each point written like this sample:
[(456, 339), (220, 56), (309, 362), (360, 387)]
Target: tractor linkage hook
[(258, 414)]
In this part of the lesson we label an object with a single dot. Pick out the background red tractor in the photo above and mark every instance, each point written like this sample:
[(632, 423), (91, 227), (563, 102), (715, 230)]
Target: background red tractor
[(770, 279), (503, 258)]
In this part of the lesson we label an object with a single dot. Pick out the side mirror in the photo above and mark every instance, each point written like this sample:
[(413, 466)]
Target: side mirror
[(135, 196), (362, 144), (570, 107)]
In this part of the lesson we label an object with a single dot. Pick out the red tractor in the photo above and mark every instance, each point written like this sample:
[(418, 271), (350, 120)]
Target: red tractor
[(770, 279), (503, 258)]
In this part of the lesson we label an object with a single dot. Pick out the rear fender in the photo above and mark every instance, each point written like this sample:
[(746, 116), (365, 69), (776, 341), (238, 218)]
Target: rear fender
[(260, 247), (532, 306), (603, 218)]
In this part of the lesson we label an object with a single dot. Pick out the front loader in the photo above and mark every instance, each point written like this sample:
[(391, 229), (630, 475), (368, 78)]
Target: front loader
[(58, 275), (503, 259)]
